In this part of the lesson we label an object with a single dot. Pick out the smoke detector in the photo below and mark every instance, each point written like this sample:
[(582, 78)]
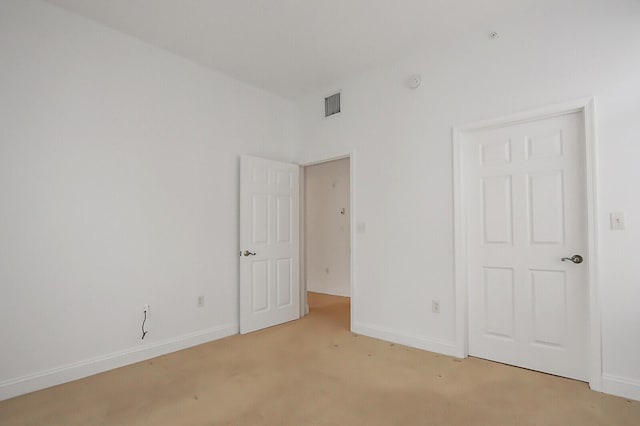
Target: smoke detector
[(493, 35)]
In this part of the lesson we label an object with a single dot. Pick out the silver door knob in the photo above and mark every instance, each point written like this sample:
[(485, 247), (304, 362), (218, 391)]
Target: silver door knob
[(576, 258), (248, 253)]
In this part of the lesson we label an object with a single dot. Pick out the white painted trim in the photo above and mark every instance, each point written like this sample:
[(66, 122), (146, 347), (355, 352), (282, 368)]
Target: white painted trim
[(78, 370), (326, 160), (621, 386), (415, 341), (304, 304), (460, 252), (595, 318), (352, 229), (352, 209), (587, 106), (529, 115), (335, 293)]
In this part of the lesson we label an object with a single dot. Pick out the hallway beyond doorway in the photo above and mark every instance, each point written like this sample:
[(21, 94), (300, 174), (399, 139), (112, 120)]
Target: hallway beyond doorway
[(336, 309)]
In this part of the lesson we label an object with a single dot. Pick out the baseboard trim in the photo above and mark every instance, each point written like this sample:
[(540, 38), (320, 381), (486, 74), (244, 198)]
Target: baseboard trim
[(419, 342), (331, 292), (70, 372), (621, 386)]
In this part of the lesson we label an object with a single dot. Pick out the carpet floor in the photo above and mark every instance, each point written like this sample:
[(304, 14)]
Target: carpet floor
[(316, 372)]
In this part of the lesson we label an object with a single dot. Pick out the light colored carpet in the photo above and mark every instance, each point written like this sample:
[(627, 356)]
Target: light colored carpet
[(315, 372)]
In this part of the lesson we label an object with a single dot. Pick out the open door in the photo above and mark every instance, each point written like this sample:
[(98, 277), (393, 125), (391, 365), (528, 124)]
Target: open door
[(269, 247)]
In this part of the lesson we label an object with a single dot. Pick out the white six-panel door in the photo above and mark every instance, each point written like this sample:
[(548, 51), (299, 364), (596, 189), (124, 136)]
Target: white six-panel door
[(269, 248), (526, 211)]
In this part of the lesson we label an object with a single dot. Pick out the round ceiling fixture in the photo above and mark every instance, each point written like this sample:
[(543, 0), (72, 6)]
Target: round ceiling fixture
[(494, 35)]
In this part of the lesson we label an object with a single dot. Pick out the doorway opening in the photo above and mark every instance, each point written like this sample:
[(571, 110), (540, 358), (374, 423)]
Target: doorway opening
[(326, 241)]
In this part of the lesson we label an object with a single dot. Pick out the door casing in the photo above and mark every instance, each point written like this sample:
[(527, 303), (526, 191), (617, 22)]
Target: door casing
[(587, 107)]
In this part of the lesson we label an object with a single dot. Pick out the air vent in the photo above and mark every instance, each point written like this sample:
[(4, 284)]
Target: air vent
[(332, 105)]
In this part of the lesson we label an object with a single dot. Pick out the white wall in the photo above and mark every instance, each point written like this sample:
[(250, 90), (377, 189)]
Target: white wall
[(118, 181), (327, 231), (403, 164)]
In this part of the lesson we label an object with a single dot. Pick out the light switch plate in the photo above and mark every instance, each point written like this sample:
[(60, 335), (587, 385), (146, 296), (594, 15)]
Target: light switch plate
[(617, 221)]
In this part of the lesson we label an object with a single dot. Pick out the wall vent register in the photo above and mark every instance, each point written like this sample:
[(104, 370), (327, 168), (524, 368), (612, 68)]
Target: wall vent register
[(332, 105)]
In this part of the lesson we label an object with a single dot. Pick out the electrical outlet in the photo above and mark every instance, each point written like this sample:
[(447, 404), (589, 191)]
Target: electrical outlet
[(435, 306), (200, 302)]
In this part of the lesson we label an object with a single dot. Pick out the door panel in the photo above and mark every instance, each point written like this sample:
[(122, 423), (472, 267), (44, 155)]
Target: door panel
[(544, 146), (526, 211), (546, 208), (495, 152), (499, 303), (284, 218), (260, 285), (284, 282), (496, 209), (269, 256), (260, 219), (549, 304)]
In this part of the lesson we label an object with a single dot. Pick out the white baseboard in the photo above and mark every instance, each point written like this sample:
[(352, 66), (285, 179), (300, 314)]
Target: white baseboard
[(67, 373), (332, 292), (420, 342), (621, 386)]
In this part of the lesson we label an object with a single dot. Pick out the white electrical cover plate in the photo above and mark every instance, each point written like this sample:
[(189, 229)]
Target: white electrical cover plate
[(617, 221)]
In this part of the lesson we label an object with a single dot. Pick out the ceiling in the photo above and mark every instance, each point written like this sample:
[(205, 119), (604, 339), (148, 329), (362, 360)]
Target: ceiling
[(293, 47)]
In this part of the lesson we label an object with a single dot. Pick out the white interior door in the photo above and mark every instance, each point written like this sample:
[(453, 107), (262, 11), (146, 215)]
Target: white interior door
[(526, 210), (269, 231)]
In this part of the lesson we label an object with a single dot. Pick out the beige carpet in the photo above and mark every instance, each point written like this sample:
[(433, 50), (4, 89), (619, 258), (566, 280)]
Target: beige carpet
[(315, 372)]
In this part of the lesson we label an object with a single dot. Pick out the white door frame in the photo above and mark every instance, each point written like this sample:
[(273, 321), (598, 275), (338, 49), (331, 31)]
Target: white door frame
[(303, 255), (587, 107)]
